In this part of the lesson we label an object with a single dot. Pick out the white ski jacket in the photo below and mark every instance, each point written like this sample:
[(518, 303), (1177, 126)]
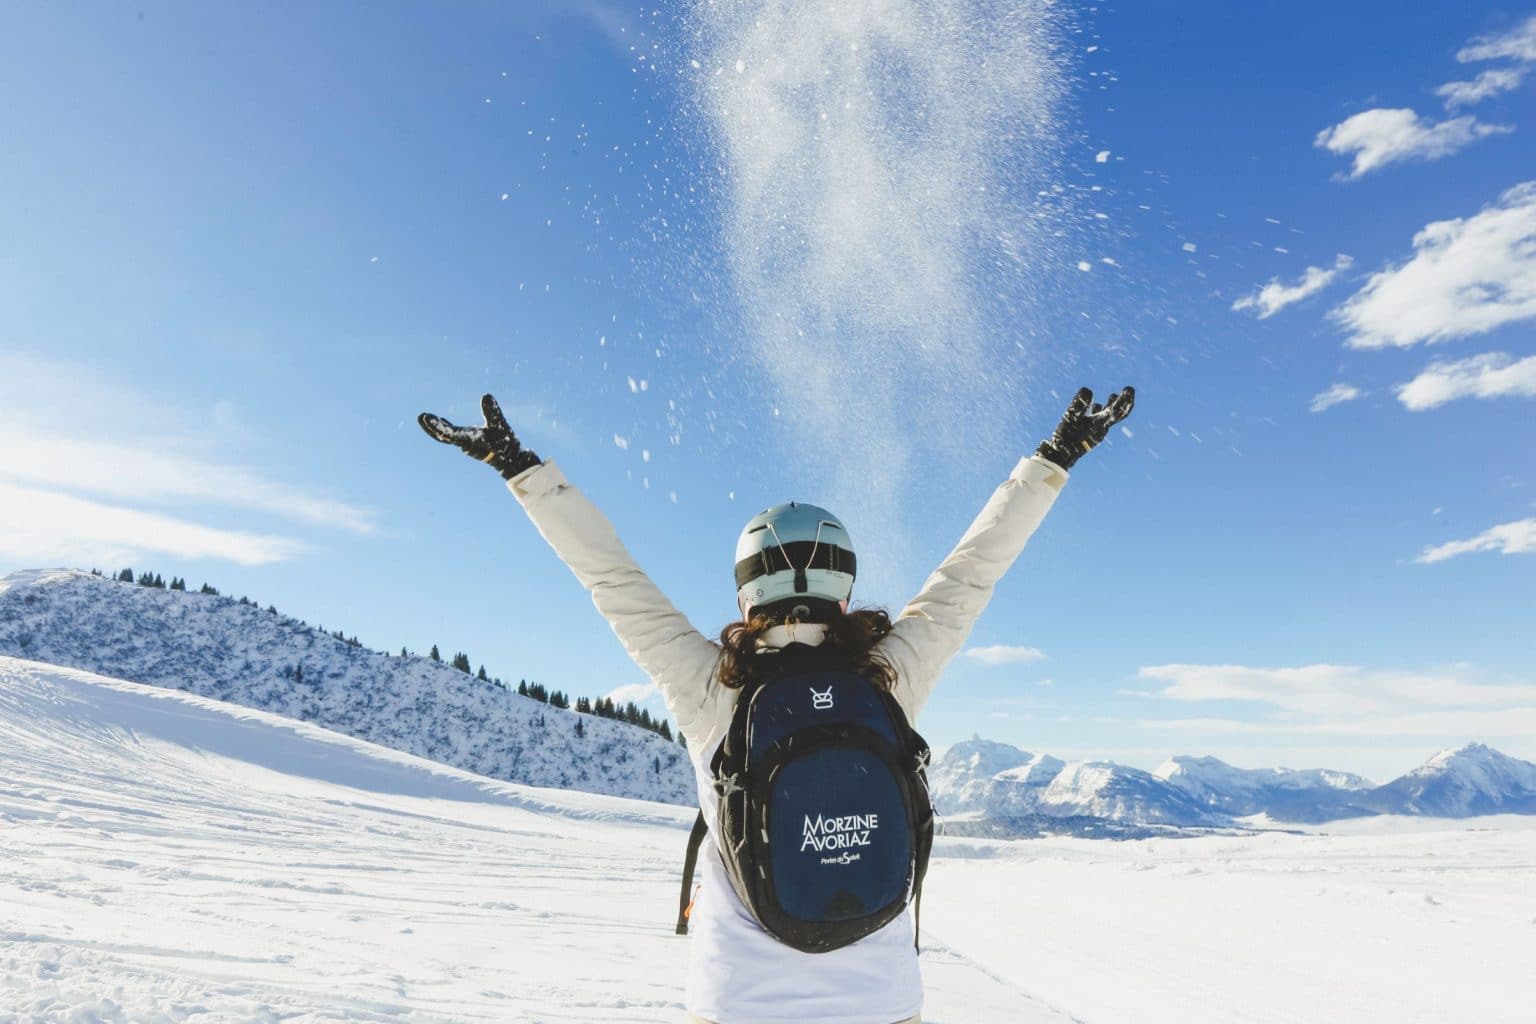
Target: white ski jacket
[(738, 974)]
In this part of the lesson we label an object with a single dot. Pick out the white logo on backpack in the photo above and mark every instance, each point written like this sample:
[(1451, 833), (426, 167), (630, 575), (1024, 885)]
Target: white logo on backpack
[(823, 833), (821, 700)]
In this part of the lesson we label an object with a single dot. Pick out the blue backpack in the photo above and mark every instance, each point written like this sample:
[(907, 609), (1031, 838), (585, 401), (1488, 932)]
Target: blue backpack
[(824, 817)]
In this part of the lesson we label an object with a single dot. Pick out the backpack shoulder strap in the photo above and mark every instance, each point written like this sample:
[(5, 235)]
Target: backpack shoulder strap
[(695, 839)]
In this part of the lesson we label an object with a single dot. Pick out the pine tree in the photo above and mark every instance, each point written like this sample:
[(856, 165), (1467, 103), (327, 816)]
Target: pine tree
[(665, 731), (482, 676), (580, 729), (461, 662), (126, 576), (402, 652), (559, 700), (211, 591), (434, 655), (522, 687)]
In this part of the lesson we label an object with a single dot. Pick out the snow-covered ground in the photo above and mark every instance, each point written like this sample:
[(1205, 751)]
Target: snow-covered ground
[(164, 857)]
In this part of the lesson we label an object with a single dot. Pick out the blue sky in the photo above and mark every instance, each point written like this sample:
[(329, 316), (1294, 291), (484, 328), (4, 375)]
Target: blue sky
[(860, 260)]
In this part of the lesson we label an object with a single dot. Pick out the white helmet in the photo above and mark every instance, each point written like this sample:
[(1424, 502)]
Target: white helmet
[(793, 550)]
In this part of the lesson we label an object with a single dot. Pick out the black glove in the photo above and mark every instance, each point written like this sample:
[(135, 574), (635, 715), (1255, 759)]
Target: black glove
[(493, 443), (1085, 424)]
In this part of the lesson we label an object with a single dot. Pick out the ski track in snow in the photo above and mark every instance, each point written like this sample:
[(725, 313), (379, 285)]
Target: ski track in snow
[(167, 858)]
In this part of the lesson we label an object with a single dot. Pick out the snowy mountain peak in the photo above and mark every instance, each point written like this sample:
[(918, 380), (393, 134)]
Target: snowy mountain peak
[(1103, 789), (986, 757), (1311, 795), (1039, 770), (1465, 780), (1472, 753)]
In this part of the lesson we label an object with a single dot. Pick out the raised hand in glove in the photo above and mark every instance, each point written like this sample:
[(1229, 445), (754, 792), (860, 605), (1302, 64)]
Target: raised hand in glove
[(493, 443), (1085, 424)]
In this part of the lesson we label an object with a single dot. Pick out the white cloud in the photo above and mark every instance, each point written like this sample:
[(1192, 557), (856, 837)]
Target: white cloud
[(1485, 724), (1517, 538), (1333, 691), (1488, 83), (1519, 43), (637, 692), (1467, 276), (1376, 138), (1275, 295), (1338, 394), (1003, 654), (134, 471), (1491, 375), (46, 527), (66, 495)]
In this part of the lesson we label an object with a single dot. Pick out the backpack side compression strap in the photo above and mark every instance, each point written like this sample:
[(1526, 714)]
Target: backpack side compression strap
[(695, 838)]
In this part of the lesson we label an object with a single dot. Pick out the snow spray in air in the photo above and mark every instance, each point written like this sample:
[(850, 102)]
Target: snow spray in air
[(880, 160)]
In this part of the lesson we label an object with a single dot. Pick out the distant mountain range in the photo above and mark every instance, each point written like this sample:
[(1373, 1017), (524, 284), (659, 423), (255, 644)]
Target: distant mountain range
[(234, 651), (986, 788)]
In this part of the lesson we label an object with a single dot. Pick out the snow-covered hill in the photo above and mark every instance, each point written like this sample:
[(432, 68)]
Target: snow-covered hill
[(169, 858), (1473, 779), (1318, 794), (221, 648)]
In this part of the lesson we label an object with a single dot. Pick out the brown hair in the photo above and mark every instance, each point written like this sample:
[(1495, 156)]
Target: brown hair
[(853, 634)]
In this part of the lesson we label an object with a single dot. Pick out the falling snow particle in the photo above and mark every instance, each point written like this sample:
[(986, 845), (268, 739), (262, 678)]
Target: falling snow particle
[(622, 443), (633, 386), (1189, 247), (741, 67), (1127, 431), (1084, 266), (1102, 158), (645, 455)]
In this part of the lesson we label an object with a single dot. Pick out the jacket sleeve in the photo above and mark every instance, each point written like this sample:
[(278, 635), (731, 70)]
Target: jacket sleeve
[(932, 627), (677, 657)]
